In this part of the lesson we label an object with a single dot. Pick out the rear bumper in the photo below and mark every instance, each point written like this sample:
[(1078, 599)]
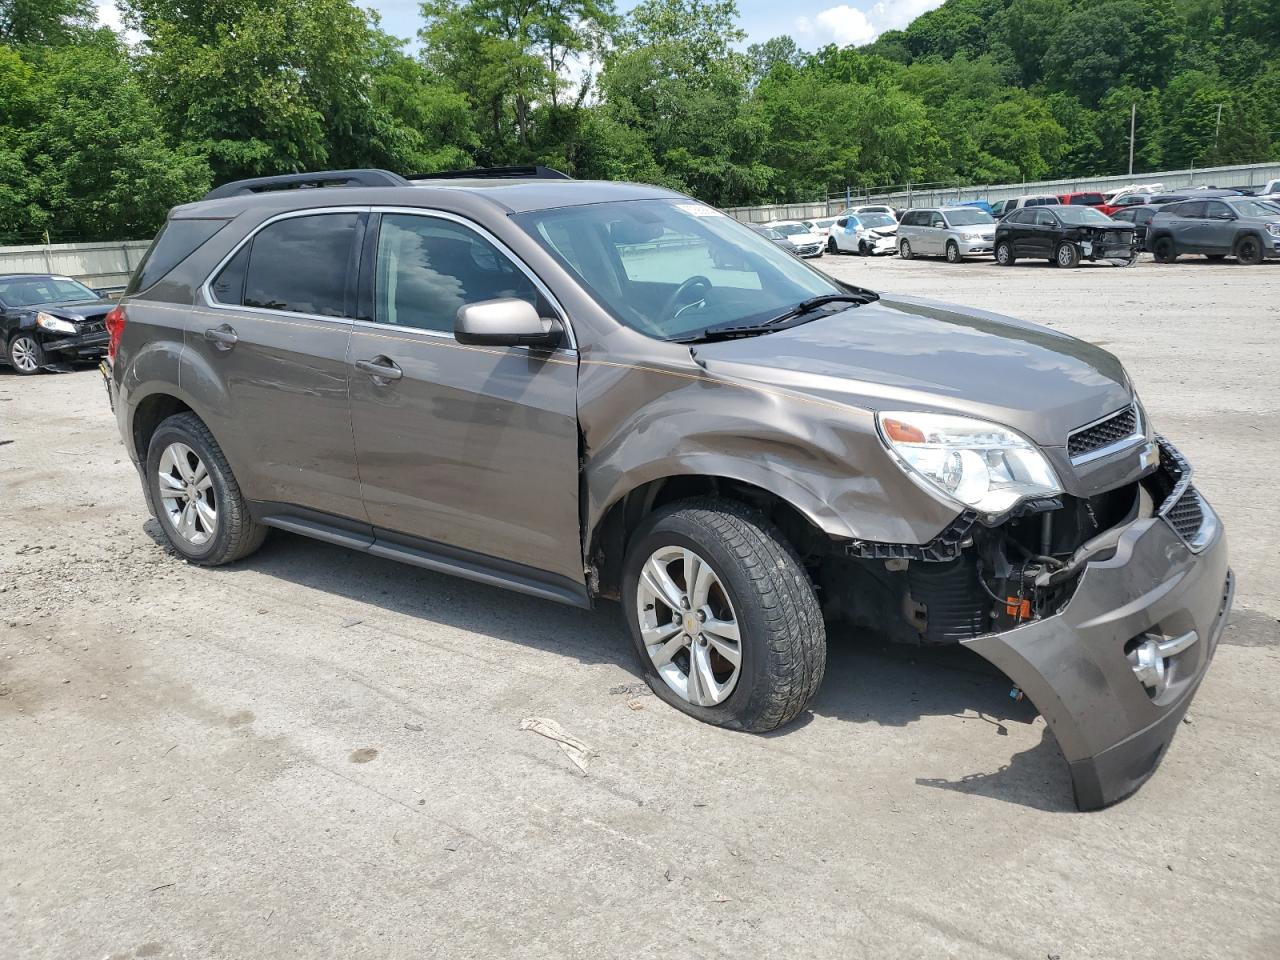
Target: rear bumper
[(1111, 728)]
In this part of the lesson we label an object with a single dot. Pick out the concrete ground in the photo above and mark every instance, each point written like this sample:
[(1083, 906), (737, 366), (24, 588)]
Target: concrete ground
[(316, 753)]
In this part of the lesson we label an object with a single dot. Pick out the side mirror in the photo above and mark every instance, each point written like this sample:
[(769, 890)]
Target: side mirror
[(506, 323)]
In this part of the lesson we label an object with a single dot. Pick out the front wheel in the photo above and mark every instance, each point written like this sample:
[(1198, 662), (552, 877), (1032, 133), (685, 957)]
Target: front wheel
[(904, 250), (1067, 255), (26, 355), (1004, 254), (201, 510), (831, 246), (953, 252), (1249, 251), (724, 618)]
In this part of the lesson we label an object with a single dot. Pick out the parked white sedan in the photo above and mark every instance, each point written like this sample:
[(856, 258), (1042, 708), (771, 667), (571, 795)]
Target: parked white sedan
[(864, 233), (804, 242)]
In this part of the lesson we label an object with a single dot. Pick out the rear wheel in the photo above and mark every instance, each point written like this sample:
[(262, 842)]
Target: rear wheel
[(1067, 255), (201, 510), (724, 618), (1165, 250), (25, 354), (904, 249), (1004, 254), (1249, 251), (953, 252)]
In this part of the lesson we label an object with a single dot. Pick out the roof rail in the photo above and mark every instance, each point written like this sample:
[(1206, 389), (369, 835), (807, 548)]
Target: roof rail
[(324, 178), (495, 173)]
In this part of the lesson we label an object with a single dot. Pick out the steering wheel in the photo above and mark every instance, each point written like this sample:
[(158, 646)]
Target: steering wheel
[(693, 283)]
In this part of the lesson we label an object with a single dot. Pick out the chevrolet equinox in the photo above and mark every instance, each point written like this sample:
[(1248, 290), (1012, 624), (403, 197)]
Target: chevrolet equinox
[(588, 391)]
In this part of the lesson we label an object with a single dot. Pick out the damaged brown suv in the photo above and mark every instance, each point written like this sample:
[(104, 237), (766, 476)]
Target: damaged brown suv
[(588, 391)]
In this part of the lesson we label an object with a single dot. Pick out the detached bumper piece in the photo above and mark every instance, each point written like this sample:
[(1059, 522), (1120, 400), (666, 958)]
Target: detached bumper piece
[(1115, 671)]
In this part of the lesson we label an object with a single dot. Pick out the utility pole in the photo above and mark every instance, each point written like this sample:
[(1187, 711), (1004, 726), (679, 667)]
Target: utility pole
[(1216, 127), (1133, 123)]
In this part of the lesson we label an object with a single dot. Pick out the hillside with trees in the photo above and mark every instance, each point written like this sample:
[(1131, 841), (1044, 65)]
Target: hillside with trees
[(99, 137)]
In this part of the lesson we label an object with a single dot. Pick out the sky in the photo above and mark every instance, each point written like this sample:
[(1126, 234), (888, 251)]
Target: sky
[(813, 23)]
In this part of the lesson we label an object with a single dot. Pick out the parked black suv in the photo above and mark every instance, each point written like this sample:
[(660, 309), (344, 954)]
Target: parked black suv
[(589, 391), (1064, 235)]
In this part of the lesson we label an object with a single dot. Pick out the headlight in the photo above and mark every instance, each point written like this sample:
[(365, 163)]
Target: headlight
[(1273, 229), (46, 321), (982, 465)]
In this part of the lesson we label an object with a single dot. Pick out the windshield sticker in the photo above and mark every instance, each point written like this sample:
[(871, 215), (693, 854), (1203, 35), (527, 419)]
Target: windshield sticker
[(699, 210)]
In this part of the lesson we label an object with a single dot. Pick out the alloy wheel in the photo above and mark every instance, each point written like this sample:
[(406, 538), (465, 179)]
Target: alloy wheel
[(688, 625), (24, 352), (187, 495)]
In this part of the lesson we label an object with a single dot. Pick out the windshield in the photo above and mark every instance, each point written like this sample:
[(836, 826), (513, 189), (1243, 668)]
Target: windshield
[(969, 217), (1254, 208), (791, 229), (874, 220), (1084, 215), (669, 268), (25, 291)]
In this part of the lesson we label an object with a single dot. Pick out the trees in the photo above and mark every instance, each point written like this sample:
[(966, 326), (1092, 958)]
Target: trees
[(44, 22)]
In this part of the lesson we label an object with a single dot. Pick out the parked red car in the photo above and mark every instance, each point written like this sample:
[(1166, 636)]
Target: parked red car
[(1092, 199)]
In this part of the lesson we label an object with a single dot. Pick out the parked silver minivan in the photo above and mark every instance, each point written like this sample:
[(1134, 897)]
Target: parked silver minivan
[(951, 232)]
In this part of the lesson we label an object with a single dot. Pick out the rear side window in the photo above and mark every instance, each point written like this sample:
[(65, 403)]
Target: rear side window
[(1193, 208), (176, 241), (301, 264)]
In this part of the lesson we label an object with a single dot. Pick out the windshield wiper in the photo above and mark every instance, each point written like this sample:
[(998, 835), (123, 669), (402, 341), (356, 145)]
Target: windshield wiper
[(733, 331)]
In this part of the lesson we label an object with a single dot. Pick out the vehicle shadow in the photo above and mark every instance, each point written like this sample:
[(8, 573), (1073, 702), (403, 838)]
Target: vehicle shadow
[(868, 680)]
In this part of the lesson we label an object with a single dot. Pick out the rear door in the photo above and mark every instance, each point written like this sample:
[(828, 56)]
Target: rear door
[(1185, 224), (273, 345), (466, 451)]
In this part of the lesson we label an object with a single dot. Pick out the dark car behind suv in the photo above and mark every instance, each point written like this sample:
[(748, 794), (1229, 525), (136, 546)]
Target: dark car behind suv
[(47, 320), (602, 391), (1064, 236)]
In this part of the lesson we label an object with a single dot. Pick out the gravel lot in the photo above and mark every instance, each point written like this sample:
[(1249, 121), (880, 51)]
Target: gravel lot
[(317, 753)]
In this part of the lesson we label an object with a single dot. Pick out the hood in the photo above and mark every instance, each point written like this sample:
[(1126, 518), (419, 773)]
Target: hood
[(76, 310), (909, 353), (803, 239)]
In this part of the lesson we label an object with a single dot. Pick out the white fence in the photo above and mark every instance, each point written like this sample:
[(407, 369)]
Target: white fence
[(906, 195), (106, 265)]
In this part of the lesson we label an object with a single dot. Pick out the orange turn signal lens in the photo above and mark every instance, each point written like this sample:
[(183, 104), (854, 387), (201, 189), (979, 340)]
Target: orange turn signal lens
[(900, 432)]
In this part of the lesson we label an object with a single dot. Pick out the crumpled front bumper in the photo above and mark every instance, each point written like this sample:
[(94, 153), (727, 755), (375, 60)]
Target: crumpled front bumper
[(83, 346), (1153, 588)]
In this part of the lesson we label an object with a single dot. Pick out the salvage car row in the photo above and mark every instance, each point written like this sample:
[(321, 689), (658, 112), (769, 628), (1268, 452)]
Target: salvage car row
[(1065, 229)]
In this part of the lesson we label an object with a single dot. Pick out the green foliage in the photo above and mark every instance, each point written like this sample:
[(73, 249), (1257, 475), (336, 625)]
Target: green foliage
[(97, 139)]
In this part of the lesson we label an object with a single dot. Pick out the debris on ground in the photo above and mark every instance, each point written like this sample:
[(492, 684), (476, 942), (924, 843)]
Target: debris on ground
[(573, 748)]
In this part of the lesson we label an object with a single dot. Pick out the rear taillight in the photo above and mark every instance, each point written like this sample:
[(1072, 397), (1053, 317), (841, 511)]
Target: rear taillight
[(114, 323)]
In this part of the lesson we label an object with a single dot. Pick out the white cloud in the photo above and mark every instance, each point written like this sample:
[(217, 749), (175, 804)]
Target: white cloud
[(109, 16), (845, 24)]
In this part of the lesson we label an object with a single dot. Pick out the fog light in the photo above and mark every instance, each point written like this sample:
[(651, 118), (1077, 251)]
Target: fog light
[(1148, 665)]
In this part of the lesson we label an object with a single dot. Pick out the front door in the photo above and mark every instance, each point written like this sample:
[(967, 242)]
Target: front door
[(269, 356), (466, 448)]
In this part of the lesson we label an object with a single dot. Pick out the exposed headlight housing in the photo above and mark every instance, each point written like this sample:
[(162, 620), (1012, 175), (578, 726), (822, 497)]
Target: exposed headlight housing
[(979, 464), (47, 321), (1273, 229)]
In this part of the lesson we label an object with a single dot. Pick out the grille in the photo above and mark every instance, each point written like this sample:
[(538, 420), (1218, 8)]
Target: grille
[(1104, 433), (1186, 516)]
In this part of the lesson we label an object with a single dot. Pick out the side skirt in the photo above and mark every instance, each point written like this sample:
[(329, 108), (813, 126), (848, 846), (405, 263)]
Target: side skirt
[(428, 554)]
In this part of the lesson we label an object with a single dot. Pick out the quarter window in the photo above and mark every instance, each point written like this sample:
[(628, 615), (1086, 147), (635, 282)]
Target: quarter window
[(301, 264), (428, 267)]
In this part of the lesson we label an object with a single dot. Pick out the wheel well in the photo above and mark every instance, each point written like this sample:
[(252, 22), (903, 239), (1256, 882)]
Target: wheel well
[(151, 412), (613, 533)]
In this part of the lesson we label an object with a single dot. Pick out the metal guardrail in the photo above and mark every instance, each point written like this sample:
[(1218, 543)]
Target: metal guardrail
[(935, 194)]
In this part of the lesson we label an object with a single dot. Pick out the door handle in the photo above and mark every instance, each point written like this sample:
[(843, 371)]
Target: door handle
[(223, 337), (380, 368)]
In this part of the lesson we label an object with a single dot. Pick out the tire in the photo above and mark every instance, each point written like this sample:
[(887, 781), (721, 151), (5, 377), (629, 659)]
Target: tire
[(233, 533), (1249, 251), (26, 355), (759, 584), (1164, 250), (1004, 254), (831, 246), (953, 252), (1067, 256), (904, 249)]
